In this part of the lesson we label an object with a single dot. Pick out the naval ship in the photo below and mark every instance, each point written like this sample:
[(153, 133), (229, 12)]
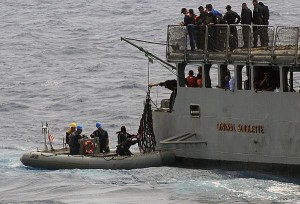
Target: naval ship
[(245, 113), (244, 125)]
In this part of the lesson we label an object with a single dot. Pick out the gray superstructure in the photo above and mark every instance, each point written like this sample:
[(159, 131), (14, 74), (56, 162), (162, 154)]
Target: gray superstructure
[(257, 128)]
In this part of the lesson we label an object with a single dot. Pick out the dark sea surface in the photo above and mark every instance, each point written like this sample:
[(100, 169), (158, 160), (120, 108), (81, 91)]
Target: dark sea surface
[(63, 61)]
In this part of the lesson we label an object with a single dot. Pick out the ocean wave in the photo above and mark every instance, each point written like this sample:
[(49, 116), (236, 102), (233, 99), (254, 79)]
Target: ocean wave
[(6, 147), (12, 106)]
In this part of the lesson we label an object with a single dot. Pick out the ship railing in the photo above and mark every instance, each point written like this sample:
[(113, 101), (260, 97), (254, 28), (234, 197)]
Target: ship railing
[(233, 43), (286, 45)]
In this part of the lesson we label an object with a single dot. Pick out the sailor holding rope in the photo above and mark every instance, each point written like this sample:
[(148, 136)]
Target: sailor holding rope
[(171, 85)]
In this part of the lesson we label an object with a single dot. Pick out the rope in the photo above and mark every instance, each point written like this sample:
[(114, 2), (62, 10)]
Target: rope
[(148, 71)]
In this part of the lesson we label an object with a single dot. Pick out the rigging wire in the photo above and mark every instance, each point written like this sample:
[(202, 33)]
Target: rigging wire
[(144, 41), (148, 72), (169, 69), (297, 82)]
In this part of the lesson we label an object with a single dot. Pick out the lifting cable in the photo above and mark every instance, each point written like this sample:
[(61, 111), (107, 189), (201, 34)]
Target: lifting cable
[(151, 56), (144, 41), (147, 140)]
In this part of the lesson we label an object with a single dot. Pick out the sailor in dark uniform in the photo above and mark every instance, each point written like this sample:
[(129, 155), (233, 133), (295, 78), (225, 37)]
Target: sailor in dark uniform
[(257, 20), (75, 140), (265, 19), (125, 140), (171, 85), (231, 17), (246, 19), (103, 138)]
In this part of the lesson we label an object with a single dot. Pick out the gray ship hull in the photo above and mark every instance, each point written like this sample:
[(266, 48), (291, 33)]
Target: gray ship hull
[(243, 126)]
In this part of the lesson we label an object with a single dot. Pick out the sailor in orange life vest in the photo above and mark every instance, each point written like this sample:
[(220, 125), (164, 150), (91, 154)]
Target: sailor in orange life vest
[(191, 80), (199, 77), (171, 85)]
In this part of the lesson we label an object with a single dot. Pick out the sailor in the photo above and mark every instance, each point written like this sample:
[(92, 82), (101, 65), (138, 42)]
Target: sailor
[(231, 17), (191, 80), (199, 77), (70, 131), (171, 85), (200, 28), (257, 20), (125, 140), (266, 84), (189, 22), (232, 84), (212, 17), (246, 19), (75, 140), (209, 9), (265, 19), (103, 137)]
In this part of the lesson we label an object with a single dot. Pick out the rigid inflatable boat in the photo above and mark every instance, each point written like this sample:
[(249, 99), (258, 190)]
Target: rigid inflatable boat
[(90, 157), (61, 159)]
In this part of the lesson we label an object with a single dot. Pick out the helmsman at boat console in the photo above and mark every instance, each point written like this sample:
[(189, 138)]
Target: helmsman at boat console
[(103, 137)]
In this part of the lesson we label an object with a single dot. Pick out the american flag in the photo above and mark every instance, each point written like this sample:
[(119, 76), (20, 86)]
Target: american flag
[(51, 137)]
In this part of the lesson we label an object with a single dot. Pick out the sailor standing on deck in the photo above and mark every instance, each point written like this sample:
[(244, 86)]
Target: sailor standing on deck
[(231, 17), (246, 18), (257, 20), (189, 22), (103, 137), (265, 19), (75, 140)]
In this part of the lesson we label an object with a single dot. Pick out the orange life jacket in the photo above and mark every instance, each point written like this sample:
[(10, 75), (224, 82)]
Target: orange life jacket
[(199, 82)]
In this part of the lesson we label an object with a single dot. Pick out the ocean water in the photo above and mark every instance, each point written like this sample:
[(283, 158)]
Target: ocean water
[(63, 61)]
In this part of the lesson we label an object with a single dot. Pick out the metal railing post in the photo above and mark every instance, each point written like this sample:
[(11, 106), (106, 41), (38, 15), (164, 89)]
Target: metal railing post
[(297, 48), (227, 42), (206, 43), (185, 47), (273, 44)]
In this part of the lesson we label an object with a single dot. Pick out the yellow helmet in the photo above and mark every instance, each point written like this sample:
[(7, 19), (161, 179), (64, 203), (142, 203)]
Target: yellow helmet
[(73, 125)]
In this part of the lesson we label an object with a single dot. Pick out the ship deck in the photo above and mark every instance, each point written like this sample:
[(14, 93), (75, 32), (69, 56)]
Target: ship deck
[(219, 44)]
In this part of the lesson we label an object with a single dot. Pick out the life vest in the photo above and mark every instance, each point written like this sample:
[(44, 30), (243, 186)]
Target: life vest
[(191, 81), (199, 82)]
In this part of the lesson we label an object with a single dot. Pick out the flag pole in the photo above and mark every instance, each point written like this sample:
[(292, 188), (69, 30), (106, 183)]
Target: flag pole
[(44, 132)]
